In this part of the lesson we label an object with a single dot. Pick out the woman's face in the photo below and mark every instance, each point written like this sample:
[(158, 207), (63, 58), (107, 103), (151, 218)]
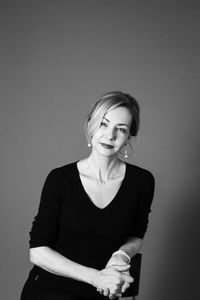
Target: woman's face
[(113, 132)]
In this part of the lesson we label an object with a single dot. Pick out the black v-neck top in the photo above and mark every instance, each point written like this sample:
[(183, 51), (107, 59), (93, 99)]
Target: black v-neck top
[(113, 199), (70, 223)]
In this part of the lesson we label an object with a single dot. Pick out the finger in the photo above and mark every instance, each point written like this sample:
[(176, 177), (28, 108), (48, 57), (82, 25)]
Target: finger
[(106, 292), (125, 287), (121, 268), (119, 286), (127, 278), (116, 295), (126, 272)]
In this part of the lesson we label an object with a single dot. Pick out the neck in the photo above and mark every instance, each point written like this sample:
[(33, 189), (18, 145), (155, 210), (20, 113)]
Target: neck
[(104, 168)]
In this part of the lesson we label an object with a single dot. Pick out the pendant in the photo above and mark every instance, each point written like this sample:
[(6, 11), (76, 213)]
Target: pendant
[(101, 182)]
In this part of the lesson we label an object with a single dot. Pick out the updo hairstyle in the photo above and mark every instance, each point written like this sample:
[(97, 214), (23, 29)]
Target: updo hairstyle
[(106, 103)]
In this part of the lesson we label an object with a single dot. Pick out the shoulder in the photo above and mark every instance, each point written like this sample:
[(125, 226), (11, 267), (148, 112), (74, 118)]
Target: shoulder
[(140, 173), (63, 172), (65, 168)]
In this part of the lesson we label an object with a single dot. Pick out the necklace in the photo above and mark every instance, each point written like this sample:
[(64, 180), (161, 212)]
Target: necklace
[(104, 182)]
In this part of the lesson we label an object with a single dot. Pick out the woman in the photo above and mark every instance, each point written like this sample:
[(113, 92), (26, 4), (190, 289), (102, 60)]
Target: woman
[(93, 213)]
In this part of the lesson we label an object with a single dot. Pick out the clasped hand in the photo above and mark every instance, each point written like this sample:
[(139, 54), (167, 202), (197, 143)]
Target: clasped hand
[(114, 280)]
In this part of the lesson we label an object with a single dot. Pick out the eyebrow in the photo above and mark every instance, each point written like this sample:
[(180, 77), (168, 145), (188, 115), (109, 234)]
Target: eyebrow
[(120, 124)]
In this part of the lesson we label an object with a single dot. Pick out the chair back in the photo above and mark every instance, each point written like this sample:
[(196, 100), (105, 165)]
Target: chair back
[(135, 269)]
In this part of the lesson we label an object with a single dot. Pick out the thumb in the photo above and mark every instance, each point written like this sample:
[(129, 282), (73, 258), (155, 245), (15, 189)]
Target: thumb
[(121, 268)]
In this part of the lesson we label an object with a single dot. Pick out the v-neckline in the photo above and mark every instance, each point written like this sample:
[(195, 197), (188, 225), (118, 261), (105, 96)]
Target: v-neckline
[(89, 198)]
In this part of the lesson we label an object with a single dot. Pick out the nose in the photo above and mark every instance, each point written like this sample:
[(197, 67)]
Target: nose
[(110, 134)]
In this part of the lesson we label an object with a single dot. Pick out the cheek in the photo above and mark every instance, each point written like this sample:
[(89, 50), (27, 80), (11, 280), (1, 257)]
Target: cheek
[(123, 139), (123, 142), (98, 134), (95, 138)]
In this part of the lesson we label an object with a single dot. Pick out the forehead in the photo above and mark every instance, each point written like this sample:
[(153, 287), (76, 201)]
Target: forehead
[(119, 115)]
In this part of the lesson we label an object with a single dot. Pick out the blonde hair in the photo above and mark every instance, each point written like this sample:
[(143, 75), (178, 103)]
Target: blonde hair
[(106, 103)]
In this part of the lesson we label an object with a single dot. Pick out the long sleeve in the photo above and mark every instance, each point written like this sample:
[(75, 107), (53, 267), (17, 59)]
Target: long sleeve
[(144, 205), (46, 224)]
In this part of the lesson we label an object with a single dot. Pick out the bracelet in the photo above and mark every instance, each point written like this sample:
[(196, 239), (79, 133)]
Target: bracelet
[(122, 252)]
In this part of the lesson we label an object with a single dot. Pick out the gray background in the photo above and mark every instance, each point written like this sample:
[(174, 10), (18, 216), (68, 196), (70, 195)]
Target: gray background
[(57, 57)]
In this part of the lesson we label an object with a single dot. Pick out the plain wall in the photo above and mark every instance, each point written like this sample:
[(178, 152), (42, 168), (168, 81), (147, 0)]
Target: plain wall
[(57, 57)]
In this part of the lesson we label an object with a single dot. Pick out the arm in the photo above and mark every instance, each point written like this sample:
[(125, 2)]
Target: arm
[(134, 244), (106, 279), (54, 262)]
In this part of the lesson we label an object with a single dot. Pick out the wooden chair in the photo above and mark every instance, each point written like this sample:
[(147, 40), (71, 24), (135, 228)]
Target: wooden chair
[(135, 269)]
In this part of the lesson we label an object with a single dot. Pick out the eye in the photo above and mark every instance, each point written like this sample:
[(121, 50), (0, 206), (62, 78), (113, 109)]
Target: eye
[(103, 124), (123, 130)]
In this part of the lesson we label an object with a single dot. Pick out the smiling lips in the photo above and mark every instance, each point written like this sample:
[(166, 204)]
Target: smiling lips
[(107, 146)]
